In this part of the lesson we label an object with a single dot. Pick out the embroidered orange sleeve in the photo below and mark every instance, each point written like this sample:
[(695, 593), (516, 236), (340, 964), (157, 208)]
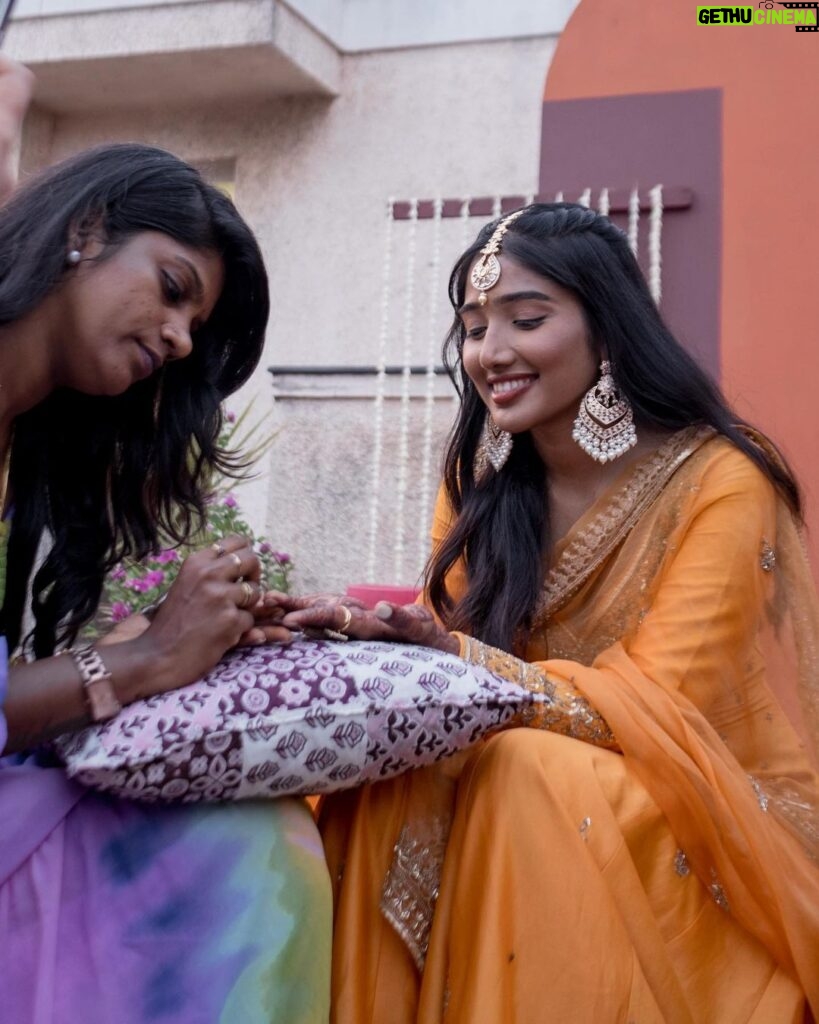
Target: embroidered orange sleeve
[(560, 708)]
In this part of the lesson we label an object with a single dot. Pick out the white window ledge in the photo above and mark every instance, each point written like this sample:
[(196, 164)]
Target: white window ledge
[(173, 54)]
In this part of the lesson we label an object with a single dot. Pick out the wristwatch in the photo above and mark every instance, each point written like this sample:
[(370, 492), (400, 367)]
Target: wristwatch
[(103, 702)]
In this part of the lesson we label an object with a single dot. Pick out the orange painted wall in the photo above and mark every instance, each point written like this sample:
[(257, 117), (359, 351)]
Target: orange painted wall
[(769, 76)]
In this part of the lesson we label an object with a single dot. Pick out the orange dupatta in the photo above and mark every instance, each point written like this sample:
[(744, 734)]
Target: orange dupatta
[(688, 611)]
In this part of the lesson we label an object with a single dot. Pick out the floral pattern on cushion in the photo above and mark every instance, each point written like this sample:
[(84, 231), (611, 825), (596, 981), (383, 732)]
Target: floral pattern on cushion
[(310, 717)]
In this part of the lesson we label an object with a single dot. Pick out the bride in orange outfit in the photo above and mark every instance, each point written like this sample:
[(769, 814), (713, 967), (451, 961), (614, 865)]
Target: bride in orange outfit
[(647, 849)]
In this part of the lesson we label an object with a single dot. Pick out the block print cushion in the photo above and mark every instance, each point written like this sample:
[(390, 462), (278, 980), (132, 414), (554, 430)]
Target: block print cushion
[(311, 717)]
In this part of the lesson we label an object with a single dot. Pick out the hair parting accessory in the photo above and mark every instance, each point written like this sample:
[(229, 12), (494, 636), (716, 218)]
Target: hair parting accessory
[(487, 271)]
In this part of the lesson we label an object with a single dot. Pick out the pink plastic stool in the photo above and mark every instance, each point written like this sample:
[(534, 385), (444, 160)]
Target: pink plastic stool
[(371, 593)]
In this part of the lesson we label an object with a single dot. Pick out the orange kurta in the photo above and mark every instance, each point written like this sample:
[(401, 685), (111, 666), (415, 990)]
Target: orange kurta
[(651, 853)]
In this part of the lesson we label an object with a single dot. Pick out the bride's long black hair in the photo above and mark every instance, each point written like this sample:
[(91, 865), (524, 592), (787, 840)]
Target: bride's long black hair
[(501, 529), (95, 479)]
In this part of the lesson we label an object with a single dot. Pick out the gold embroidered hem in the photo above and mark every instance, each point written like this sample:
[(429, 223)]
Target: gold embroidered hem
[(411, 887)]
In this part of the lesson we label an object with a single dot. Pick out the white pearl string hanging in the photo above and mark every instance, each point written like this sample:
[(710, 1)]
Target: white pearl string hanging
[(429, 395), (463, 217), (634, 220), (380, 389), (655, 241), (404, 421)]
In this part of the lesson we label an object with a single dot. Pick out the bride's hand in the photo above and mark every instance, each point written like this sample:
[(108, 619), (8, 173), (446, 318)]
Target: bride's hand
[(410, 623), (287, 603)]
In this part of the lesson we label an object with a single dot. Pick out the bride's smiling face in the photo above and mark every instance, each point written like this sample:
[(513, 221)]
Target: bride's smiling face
[(527, 350)]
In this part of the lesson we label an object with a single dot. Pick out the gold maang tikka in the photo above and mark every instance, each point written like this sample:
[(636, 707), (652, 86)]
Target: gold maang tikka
[(487, 271)]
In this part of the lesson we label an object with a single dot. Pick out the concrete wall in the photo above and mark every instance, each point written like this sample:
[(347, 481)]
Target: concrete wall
[(313, 175), (359, 25)]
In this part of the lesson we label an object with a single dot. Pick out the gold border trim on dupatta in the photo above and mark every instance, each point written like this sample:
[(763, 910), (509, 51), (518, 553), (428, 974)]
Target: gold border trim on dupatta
[(593, 544)]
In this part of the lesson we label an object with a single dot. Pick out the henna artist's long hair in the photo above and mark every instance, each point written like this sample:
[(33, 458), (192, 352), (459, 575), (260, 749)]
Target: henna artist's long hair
[(95, 479), (501, 530)]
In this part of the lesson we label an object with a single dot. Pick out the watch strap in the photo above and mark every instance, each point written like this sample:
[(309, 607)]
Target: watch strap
[(100, 694)]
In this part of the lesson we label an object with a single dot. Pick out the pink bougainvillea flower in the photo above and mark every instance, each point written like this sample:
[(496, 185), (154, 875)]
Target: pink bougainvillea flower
[(169, 555), (230, 501), (119, 611), (143, 585)]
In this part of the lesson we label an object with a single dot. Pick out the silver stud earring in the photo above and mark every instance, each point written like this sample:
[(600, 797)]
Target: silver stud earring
[(73, 258), (494, 448), (604, 427)]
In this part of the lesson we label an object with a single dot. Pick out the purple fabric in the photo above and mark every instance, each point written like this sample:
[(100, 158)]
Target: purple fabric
[(3, 683), (119, 913), (49, 797)]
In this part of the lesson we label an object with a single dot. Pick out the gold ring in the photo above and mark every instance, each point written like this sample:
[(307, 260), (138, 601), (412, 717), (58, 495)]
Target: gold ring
[(348, 618), (218, 547), (248, 595), (237, 560)]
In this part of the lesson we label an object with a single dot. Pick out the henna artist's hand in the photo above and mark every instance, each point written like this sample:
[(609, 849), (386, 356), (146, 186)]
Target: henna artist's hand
[(265, 629), (208, 609)]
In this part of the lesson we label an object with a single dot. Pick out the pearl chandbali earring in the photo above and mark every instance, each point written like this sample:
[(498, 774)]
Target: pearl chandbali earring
[(494, 448), (604, 427)]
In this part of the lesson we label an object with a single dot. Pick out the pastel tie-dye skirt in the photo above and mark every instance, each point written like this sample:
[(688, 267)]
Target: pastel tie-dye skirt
[(119, 913)]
